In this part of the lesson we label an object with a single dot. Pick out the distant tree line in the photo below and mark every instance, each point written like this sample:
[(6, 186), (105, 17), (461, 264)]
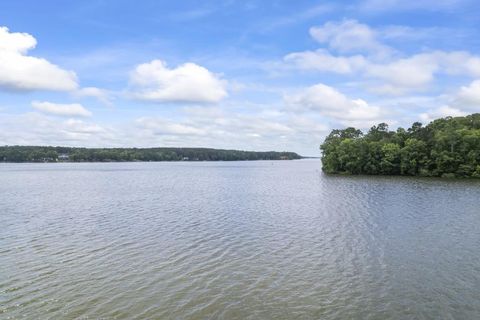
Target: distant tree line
[(448, 147), (57, 154)]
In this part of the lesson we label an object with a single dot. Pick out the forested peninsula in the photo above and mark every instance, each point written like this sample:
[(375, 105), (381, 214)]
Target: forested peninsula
[(67, 154), (447, 147)]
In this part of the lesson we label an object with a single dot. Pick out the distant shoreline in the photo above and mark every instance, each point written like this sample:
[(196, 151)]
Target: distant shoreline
[(47, 154), (139, 161)]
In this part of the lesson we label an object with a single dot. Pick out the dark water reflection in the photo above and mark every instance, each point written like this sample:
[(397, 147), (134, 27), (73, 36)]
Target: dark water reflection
[(234, 240)]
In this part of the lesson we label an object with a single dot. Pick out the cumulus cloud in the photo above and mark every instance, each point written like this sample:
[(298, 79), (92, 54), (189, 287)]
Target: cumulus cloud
[(331, 103), (34, 128), (458, 62), (470, 95), (385, 73), (404, 75), (467, 98), (415, 73), (397, 76), (189, 82), (441, 112), (19, 71), (69, 110), (349, 36), (462, 102)]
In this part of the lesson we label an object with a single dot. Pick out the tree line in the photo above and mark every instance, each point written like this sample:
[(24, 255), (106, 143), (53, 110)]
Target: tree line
[(59, 154), (447, 147)]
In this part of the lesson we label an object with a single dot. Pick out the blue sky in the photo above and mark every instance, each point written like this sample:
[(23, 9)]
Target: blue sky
[(256, 75)]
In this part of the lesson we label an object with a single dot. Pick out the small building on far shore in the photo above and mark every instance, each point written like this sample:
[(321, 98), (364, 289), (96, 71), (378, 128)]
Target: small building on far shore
[(63, 157)]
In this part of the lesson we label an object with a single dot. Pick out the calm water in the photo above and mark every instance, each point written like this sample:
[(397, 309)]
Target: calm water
[(234, 240)]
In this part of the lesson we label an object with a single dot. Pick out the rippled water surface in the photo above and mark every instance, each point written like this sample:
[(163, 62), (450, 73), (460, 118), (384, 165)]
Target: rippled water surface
[(234, 240)]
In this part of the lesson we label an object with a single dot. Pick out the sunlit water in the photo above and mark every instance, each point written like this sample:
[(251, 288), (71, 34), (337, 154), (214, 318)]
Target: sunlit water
[(234, 240)]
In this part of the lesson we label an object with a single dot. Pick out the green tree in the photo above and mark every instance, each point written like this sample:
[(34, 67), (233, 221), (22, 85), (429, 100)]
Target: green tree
[(448, 147)]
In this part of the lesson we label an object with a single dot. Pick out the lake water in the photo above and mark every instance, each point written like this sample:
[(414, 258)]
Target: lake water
[(234, 240)]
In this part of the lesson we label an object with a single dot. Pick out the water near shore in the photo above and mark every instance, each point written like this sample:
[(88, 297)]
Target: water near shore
[(234, 240)]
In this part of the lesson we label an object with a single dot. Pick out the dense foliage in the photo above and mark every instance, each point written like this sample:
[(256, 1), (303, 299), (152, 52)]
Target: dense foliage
[(54, 154), (448, 147)]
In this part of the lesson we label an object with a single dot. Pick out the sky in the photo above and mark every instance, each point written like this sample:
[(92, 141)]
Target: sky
[(249, 75)]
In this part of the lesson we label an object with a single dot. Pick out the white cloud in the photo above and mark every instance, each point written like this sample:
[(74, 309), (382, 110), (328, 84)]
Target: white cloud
[(309, 126), (470, 95), (444, 111), (16, 42), (189, 82), (19, 71), (38, 129), (458, 62), (350, 36), (404, 75), (392, 76), (331, 103), (160, 126), (82, 127), (382, 69), (415, 73), (254, 125), (70, 110), (461, 103), (467, 98), (322, 60)]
